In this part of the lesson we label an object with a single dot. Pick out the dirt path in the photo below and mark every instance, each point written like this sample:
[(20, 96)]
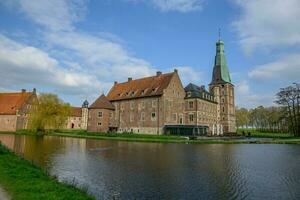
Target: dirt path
[(3, 195)]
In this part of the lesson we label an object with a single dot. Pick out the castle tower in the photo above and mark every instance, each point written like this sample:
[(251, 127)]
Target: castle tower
[(85, 113), (223, 90)]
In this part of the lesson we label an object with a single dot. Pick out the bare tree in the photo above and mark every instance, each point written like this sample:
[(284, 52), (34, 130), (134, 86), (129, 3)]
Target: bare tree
[(289, 99)]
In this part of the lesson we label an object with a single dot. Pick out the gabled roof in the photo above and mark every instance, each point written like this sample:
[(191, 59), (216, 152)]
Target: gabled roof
[(144, 87), (102, 103), (76, 112), (11, 102)]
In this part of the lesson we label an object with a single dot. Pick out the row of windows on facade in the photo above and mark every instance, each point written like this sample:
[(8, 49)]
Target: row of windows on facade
[(141, 105), (223, 92), (203, 95), (202, 106), (153, 117), (132, 93), (170, 104)]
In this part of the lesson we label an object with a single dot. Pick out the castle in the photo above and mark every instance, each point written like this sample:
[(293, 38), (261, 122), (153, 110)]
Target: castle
[(161, 105), (157, 104)]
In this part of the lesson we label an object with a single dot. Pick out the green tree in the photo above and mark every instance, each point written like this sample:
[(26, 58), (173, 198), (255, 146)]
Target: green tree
[(242, 117), (49, 113)]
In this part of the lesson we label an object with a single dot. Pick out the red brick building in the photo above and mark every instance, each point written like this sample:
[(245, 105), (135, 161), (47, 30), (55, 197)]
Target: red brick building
[(14, 109)]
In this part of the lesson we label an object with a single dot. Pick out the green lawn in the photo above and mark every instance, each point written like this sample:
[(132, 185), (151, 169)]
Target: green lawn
[(23, 180), (255, 133), (276, 137)]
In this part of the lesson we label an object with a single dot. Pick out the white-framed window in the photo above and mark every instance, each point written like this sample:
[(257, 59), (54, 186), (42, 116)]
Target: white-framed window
[(142, 116), (153, 116), (132, 105), (122, 106), (180, 119), (189, 94), (110, 115), (191, 117), (100, 114), (131, 117), (191, 104), (153, 103), (174, 117), (142, 104)]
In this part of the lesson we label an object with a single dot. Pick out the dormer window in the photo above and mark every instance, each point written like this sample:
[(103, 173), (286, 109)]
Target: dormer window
[(154, 89), (189, 94)]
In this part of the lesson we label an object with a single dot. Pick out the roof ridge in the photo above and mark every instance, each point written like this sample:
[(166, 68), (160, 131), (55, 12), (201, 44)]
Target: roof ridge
[(169, 73)]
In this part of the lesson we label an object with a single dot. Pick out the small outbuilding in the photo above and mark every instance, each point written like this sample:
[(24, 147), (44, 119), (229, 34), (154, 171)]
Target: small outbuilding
[(101, 113)]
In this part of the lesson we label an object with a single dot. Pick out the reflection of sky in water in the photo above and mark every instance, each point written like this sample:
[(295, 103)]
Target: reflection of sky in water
[(132, 170)]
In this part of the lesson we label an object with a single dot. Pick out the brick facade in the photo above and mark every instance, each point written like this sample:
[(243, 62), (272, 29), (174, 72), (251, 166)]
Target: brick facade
[(14, 110), (78, 118), (131, 111)]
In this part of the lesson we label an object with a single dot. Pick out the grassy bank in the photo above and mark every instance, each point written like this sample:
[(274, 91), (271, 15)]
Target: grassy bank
[(23, 180), (259, 134), (256, 137)]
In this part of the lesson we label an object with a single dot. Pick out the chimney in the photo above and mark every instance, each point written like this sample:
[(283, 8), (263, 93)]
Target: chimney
[(116, 82), (34, 91), (158, 73), (23, 90), (129, 79), (176, 71)]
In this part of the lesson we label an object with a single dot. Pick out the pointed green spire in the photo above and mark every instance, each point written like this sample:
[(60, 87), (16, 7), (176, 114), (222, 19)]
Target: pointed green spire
[(220, 72)]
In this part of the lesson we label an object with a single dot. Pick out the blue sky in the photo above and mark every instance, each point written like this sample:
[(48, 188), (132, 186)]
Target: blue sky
[(77, 48)]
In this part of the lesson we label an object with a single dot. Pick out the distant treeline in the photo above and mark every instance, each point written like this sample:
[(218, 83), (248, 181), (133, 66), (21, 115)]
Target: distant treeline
[(284, 118)]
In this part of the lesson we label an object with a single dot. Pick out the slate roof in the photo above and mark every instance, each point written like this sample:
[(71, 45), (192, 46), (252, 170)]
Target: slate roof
[(76, 112), (194, 91), (11, 102), (144, 87), (102, 103)]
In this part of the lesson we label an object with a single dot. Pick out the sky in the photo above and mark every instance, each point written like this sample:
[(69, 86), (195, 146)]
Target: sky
[(78, 48)]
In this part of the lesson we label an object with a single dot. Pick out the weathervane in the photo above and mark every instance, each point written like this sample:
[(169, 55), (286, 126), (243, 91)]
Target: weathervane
[(219, 33)]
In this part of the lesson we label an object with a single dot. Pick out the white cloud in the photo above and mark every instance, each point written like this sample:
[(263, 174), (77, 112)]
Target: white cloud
[(174, 5), (76, 62), (246, 98), (107, 59), (178, 5), (29, 66), (242, 88), (189, 75), (286, 68), (268, 23), (54, 14)]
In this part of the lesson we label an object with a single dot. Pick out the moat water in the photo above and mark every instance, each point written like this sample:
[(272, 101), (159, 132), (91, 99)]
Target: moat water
[(134, 170)]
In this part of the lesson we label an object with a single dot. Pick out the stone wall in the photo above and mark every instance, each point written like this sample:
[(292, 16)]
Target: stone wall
[(148, 115), (173, 102), (74, 122), (201, 112), (8, 122), (136, 114), (99, 120), (224, 94)]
